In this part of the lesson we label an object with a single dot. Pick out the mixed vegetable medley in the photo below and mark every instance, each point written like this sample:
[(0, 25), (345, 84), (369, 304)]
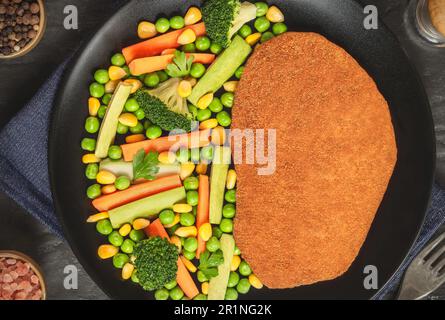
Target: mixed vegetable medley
[(157, 154)]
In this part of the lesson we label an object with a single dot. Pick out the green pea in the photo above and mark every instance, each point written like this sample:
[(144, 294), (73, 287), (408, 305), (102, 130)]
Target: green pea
[(97, 90), (262, 24), (224, 118), (191, 183), (237, 251), (226, 225), (115, 152), (120, 259), (122, 183), (161, 294), (88, 144), (121, 129), (244, 269), (216, 105), (245, 31), (192, 198), (266, 36), (183, 155), (239, 72), (91, 171), (200, 297), (163, 76), (127, 246), (153, 132), (189, 255), (101, 112), (261, 9), (233, 279), (115, 239), (202, 43), (279, 28), (215, 48), (201, 276), (134, 277), (176, 293), (140, 114), (243, 286), (229, 211), (231, 294), (187, 219), (207, 153), (92, 125), (216, 231), (106, 98), (137, 235), (213, 244), (151, 80), (93, 191), (127, 71), (230, 196), (194, 155), (139, 128), (203, 114), (167, 216), (147, 123), (101, 76), (191, 244), (104, 227), (193, 110), (197, 70), (131, 105), (190, 47), (170, 285), (162, 25), (177, 22), (173, 229), (118, 60), (227, 99)]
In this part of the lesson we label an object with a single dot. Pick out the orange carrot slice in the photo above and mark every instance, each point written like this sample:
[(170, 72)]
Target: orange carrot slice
[(202, 213), (168, 51)]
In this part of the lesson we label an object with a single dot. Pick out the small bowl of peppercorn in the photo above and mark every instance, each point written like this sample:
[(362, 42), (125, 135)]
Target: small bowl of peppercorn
[(22, 24)]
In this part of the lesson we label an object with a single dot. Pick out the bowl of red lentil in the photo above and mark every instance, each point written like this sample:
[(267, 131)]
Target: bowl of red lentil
[(22, 25), (20, 277)]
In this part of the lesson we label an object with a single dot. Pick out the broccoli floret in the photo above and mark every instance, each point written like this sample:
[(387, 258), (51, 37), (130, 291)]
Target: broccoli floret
[(223, 18), (165, 107), (156, 262)]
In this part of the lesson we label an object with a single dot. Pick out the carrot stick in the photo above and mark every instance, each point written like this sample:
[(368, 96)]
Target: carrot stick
[(202, 213), (168, 51), (136, 192), (195, 139), (155, 46), (185, 281), (158, 63)]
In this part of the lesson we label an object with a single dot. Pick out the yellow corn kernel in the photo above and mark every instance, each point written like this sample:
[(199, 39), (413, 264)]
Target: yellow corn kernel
[(90, 158), (116, 73), (186, 170), (177, 242), (127, 271), (128, 119), (184, 88), (230, 86), (208, 124), (167, 157), (140, 224), (205, 288), (186, 232), (231, 179), (205, 231), (201, 168), (255, 282), (146, 30), (93, 106), (105, 177), (188, 36), (174, 223), (98, 216), (182, 208), (107, 251), (253, 38), (205, 101), (236, 260), (274, 15), (218, 136), (134, 83), (111, 85), (192, 16), (135, 138), (125, 230), (192, 81), (188, 264), (110, 188)]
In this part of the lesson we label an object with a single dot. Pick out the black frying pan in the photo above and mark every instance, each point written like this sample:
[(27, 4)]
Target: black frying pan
[(402, 211)]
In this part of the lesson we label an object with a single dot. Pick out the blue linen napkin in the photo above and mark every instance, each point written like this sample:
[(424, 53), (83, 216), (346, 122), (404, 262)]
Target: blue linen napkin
[(24, 171)]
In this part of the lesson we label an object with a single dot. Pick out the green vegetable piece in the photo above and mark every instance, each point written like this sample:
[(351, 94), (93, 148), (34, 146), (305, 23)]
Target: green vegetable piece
[(215, 48), (203, 114), (216, 105), (189, 48), (170, 285), (106, 98), (131, 105), (91, 171), (279, 28), (189, 255), (163, 76), (231, 294), (121, 129), (92, 125), (261, 8), (177, 22), (226, 225), (101, 76), (101, 112), (209, 262), (176, 293), (218, 284), (181, 65), (201, 276), (138, 128), (152, 80), (140, 114), (119, 260), (122, 183), (137, 235), (167, 216), (218, 176), (93, 191), (202, 43), (195, 155), (191, 183), (266, 36), (245, 31), (262, 24), (227, 99), (97, 90), (192, 198), (187, 219), (118, 60), (243, 286), (161, 294), (104, 227), (191, 244), (239, 72), (197, 70), (153, 132), (134, 277), (244, 269), (230, 196), (233, 279), (216, 231), (145, 165), (200, 297), (115, 152), (183, 155), (213, 244), (127, 246), (115, 238), (224, 118), (88, 144), (207, 153), (229, 211), (162, 25), (237, 251)]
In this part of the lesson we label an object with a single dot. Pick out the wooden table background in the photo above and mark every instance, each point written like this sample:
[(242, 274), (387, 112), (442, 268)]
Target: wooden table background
[(20, 79)]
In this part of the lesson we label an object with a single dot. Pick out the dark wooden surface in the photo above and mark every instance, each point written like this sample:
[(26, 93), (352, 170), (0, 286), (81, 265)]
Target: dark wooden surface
[(21, 78)]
